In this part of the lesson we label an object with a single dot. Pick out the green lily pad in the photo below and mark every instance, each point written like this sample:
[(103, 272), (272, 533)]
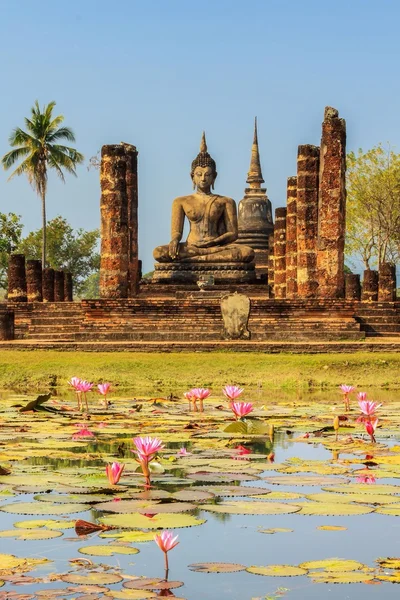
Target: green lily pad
[(341, 577), (251, 508), (236, 490), (329, 497), (91, 578), (164, 521), (305, 480), (333, 564), (341, 509), (30, 534), (278, 571), (107, 550), (42, 508), (363, 488), (215, 567)]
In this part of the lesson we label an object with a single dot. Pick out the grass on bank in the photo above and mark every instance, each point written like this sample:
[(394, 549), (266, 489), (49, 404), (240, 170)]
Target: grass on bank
[(175, 372)]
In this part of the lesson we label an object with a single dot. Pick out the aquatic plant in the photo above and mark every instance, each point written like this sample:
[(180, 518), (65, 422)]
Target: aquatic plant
[(166, 542), (241, 409), (368, 407), (198, 394), (83, 387), (346, 391), (232, 392), (370, 427), (114, 472), (104, 388), (146, 451), (83, 432)]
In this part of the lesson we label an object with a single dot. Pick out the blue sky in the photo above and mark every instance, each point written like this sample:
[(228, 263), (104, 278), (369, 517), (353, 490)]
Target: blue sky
[(155, 73)]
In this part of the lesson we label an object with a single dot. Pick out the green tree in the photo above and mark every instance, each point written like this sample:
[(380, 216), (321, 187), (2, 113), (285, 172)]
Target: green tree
[(373, 206), (74, 251), (39, 151), (10, 237)]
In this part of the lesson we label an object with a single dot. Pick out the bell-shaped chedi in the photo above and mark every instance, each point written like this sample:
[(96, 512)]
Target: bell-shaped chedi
[(255, 212)]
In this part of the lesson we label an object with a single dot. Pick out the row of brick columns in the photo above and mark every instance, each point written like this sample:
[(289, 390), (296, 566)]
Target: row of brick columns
[(27, 282), (306, 250)]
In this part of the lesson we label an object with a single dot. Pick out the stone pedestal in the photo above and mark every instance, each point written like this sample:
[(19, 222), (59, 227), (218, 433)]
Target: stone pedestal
[(307, 220), (192, 273), (48, 284), (59, 286), (280, 253), (370, 286), (291, 238), (6, 325), (119, 239), (235, 309), (332, 206), (16, 279), (352, 286), (34, 280), (68, 287), (387, 282)]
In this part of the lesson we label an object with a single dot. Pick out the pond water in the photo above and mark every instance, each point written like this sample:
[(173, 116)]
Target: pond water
[(305, 479)]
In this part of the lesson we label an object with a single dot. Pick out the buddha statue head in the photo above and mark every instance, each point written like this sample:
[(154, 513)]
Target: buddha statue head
[(204, 169)]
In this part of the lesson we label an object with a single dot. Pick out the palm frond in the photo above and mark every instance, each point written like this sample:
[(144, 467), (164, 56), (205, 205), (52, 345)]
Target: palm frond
[(73, 154), (19, 137), (13, 156), (65, 133)]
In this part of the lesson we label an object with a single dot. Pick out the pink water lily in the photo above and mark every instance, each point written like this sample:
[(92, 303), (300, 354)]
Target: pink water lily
[(146, 450), (368, 479), (370, 427), (85, 386), (368, 407), (346, 391), (183, 452), (104, 388), (166, 542), (196, 394), (361, 396), (82, 388), (114, 472), (241, 409), (84, 432), (74, 382), (232, 392)]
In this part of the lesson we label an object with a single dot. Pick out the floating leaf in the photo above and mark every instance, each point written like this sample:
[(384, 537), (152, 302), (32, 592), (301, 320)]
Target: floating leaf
[(363, 488), (393, 578), (333, 564), (389, 563), (236, 490), (91, 578), (251, 508), (275, 530), (221, 477), (142, 583), (341, 577), (130, 536), (332, 528), (215, 567), (277, 571), (129, 595), (329, 497), (107, 550), (305, 480), (192, 495), (42, 508), (31, 534), (279, 496), (137, 521), (321, 508), (392, 510)]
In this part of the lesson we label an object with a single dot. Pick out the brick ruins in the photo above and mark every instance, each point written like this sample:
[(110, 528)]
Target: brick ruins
[(301, 292)]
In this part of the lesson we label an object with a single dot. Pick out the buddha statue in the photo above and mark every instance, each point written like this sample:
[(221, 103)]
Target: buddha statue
[(213, 225)]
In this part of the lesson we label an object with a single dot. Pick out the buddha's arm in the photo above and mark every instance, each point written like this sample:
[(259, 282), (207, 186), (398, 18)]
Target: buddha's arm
[(231, 226), (177, 220)]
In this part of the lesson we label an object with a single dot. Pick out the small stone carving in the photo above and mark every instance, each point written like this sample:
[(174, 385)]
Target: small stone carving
[(235, 309)]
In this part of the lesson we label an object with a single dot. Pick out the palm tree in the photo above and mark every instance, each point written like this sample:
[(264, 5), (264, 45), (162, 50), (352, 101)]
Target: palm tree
[(38, 148)]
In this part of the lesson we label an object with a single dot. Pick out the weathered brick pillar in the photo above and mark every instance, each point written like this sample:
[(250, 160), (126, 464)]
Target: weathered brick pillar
[(68, 287), (48, 284), (370, 286), (6, 325), (271, 264), (291, 238), (307, 220), (16, 279), (280, 253), (132, 196), (352, 286), (59, 286), (34, 280), (119, 267), (332, 206), (387, 282)]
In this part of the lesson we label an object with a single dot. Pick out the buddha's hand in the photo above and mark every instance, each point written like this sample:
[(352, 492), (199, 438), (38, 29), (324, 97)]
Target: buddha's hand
[(173, 249), (206, 243)]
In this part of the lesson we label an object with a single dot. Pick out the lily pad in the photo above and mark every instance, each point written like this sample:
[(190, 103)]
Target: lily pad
[(392, 510), (130, 595), (332, 528), (192, 495), (305, 480), (251, 508), (275, 530), (278, 571), (42, 508), (340, 509), (236, 490), (389, 563), (363, 488), (329, 497), (333, 565), (107, 550), (91, 578), (215, 567), (30, 534), (130, 536), (341, 577), (137, 521)]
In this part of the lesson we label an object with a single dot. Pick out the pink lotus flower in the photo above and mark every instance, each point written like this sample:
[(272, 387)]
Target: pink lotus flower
[(241, 409), (183, 452), (146, 450), (370, 427), (368, 407), (197, 394), (84, 386), (361, 396), (346, 391), (104, 388), (84, 432), (166, 542), (368, 479), (114, 472), (232, 392), (74, 382)]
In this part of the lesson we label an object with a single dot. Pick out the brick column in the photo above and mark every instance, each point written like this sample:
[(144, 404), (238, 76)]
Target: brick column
[(332, 206), (370, 286), (280, 253), (271, 264), (131, 155), (6, 325), (307, 220), (59, 286), (387, 282), (16, 279), (68, 287), (34, 280), (352, 286), (48, 285), (291, 238)]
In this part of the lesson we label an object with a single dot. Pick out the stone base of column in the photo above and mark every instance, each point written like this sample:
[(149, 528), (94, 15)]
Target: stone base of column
[(48, 285), (370, 286), (6, 325)]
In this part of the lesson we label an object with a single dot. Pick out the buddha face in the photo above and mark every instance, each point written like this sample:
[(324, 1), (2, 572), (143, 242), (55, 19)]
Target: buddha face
[(203, 178)]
